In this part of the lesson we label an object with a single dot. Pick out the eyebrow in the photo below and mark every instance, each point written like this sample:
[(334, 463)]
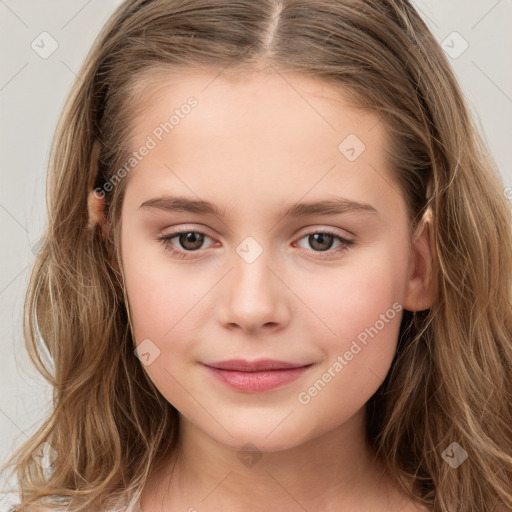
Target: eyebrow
[(325, 207)]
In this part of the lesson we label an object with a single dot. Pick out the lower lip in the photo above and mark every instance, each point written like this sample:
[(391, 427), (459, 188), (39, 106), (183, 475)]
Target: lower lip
[(256, 382)]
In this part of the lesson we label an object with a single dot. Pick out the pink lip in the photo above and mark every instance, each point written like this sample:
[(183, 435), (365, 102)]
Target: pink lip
[(256, 376)]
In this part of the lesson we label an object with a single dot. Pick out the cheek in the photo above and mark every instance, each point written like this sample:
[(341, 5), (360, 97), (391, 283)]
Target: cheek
[(360, 311), (349, 315), (163, 300), (348, 299), (160, 293)]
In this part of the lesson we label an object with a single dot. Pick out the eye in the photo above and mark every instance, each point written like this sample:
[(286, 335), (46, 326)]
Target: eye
[(189, 240), (322, 241)]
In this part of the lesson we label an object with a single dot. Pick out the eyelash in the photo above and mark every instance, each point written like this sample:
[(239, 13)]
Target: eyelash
[(166, 242)]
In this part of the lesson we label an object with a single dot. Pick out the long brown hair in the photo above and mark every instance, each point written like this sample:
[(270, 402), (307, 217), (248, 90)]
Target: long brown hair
[(451, 379)]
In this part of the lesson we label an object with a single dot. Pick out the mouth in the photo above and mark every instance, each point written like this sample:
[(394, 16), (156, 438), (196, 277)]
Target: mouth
[(256, 376)]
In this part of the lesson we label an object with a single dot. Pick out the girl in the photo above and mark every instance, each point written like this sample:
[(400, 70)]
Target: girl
[(277, 271)]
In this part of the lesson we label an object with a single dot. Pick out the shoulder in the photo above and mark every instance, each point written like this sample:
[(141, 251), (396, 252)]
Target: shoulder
[(17, 508)]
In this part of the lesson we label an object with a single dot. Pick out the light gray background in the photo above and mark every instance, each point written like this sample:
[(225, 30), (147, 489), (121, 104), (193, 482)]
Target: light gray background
[(32, 93)]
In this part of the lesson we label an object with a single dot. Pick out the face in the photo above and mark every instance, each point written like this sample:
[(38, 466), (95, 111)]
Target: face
[(224, 267)]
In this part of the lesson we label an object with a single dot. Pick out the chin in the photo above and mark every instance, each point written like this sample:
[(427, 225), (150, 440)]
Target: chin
[(259, 438)]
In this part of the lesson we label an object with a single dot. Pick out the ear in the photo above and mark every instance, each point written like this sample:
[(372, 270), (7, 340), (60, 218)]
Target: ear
[(421, 285), (96, 198), (96, 207)]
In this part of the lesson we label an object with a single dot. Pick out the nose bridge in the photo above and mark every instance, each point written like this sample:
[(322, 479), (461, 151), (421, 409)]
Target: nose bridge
[(254, 297), (251, 276)]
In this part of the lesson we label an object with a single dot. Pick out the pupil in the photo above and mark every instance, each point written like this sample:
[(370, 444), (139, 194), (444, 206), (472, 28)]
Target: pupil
[(317, 239), (191, 240)]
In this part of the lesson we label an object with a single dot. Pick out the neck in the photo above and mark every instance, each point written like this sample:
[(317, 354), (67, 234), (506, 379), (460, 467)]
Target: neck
[(337, 470)]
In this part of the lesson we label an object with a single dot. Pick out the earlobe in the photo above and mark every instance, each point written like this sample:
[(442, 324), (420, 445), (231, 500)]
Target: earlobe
[(421, 285), (96, 209)]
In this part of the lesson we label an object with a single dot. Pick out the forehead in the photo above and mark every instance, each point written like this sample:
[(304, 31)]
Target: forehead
[(259, 102), (265, 132)]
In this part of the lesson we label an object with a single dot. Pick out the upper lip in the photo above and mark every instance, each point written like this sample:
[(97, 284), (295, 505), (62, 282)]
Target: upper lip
[(242, 365)]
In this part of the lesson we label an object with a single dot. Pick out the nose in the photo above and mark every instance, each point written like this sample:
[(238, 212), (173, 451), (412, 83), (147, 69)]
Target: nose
[(252, 297)]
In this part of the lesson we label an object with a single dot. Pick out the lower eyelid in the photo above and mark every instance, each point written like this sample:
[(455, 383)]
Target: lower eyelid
[(345, 243)]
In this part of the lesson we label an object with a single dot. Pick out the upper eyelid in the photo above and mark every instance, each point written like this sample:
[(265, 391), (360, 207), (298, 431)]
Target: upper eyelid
[(345, 243), (299, 236), (306, 230)]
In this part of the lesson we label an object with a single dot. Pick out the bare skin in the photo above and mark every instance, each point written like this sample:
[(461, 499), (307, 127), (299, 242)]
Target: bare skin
[(252, 146), (243, 487)]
